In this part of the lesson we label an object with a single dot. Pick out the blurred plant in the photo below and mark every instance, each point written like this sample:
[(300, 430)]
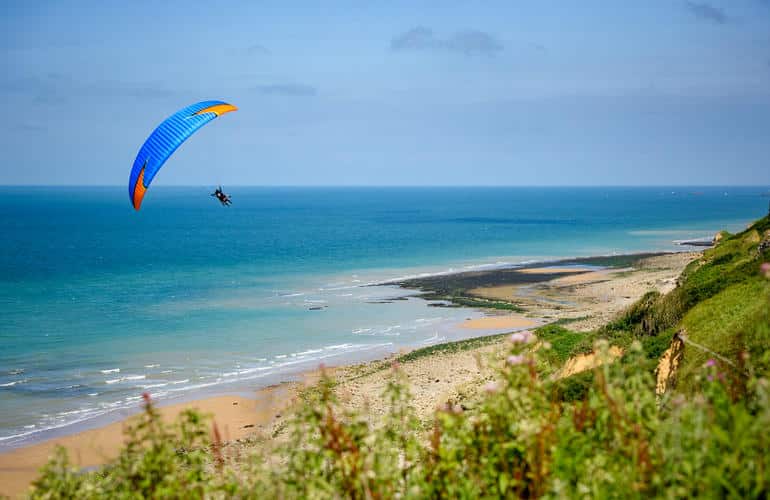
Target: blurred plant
[(523, 440)]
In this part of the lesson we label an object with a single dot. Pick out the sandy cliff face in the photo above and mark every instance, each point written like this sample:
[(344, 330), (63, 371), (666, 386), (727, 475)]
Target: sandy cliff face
[(665, 373)]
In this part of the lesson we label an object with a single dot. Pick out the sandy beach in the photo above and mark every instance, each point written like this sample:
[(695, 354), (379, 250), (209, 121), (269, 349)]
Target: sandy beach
[(587, 295), (236, 416), (512, 321)]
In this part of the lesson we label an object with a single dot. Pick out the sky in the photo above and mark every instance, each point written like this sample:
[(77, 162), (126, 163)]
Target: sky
[(514, 92)]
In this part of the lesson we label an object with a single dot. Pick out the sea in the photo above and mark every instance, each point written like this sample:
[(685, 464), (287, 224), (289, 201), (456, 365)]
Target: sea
[(187, 298)]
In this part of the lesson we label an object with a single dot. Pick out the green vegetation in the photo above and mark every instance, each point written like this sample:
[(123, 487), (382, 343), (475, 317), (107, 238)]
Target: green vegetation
[(606, 436), (465, 301), (602, 433), (451, 347), (565, 343)]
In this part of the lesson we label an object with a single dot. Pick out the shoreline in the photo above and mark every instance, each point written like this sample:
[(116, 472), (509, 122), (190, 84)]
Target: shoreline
[(18, 466), (367, 352), (236, 417)]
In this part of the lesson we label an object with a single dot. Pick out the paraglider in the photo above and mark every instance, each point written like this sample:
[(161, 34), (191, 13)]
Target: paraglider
[(165, 139), (223, 198)]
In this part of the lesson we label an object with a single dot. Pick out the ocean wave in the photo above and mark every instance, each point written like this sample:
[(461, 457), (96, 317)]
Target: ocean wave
[(110, 370), (338, 346), (97, 409), (152, 386), (309, 351), (434, 339), (15, 382), (125, 379)]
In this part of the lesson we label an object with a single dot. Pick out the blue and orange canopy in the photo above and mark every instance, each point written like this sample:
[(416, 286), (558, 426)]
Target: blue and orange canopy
[(165, 139)]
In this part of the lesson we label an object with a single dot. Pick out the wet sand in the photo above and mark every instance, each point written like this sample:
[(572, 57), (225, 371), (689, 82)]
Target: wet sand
[(593, 297)]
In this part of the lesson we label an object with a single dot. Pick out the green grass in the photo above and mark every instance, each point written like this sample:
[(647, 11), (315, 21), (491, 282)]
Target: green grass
[(451, 347), (727, 324), (574, 388), (565, 343)]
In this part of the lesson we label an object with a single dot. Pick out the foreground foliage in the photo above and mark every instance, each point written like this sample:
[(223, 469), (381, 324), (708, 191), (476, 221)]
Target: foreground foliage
[(598, 434), (619, 440)]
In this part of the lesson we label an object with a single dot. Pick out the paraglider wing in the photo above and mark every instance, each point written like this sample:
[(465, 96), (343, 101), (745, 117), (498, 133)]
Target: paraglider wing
[(165, 139)]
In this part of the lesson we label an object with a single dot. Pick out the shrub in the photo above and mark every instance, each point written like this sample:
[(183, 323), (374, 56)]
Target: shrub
[(603, 434)]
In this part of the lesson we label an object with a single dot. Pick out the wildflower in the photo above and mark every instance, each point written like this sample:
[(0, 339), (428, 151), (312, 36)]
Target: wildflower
[(522, 337), (711, 363), (516, 359), (765, 269), (491, 387), (678, 401), (454, 409)]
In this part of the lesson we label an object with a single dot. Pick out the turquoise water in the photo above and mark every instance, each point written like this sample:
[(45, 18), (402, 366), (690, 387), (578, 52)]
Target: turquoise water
[(99, 303)]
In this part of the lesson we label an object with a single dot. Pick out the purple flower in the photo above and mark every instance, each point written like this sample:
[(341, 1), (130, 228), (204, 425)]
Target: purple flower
[(516, 359), (765, 269), (711, 363), (491, 387), (522, 337)]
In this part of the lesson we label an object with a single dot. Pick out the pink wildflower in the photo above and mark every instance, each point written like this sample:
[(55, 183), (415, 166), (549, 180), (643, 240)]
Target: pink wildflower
[(516, 359), (711, 363), (765, 269), (522, 337), (491, 387)]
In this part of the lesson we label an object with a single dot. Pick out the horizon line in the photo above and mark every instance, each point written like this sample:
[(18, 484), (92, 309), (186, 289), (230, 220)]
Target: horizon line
[(402, 185)]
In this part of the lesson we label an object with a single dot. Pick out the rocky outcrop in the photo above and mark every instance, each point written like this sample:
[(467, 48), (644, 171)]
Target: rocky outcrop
[(764, 244)]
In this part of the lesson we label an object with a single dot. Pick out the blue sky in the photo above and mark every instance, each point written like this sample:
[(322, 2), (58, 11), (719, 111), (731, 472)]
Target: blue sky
[(520, 92)]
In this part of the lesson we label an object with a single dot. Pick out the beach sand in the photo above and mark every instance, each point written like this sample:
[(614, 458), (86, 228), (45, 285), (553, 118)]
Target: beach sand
[(508, 321), (235, 416), (589, 297)]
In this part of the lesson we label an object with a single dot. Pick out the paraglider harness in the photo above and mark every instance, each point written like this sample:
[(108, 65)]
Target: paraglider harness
[(222, 197)]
